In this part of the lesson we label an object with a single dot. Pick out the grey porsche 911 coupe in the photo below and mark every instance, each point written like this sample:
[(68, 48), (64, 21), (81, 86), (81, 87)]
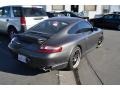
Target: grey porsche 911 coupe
[(56, 43)]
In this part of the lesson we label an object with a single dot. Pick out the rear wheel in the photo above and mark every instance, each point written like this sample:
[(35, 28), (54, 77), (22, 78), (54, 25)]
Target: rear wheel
[(75, 58), (11, 33)]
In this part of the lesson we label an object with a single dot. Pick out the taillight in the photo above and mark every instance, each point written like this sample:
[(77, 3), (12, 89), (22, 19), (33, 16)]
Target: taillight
[(22, 21), (49, 49)]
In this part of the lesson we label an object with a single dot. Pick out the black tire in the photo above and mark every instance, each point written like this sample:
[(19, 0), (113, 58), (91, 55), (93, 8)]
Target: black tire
[(11, 33), (99, 43), (74, 59)]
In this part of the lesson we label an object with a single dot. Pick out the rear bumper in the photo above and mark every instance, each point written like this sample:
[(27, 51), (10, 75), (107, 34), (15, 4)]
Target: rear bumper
[(40, 60), (44, 63)]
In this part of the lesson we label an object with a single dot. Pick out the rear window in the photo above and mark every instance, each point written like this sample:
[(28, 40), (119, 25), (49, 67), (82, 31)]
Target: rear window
[(32, 12), (49, 26), (28, 11)]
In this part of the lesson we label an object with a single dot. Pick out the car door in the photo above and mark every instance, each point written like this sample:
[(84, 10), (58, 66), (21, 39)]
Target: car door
[(4, 19), (78, 35), (116, 21), (108, 21), (90, 35), (98, 22)]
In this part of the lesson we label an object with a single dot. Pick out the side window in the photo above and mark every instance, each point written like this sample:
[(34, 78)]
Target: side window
[(84, 27), (117, 17), (74, 29), (1, 12), (81, 27), (108, 17), (6, 12)]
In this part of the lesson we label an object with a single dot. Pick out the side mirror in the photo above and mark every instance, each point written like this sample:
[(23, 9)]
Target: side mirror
[(94, 28)]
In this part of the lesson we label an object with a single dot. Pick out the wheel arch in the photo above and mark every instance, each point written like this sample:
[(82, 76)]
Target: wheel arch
[(11, 27), (80, 48)]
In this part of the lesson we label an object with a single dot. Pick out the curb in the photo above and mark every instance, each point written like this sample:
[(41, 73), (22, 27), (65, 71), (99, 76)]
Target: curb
[(77, 77)]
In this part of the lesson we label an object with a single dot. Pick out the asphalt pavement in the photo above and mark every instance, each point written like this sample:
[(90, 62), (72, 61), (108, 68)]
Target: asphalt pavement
[(102, 65)]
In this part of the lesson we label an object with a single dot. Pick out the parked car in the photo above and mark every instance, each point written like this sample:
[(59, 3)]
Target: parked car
[(54, 14), (56, 43), (111, 21), (15, 19), (64, 13), (71, 14)]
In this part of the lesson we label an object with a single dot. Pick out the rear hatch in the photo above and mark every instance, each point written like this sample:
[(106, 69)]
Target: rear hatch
[(31, 21), (29, 15), (33, 15)]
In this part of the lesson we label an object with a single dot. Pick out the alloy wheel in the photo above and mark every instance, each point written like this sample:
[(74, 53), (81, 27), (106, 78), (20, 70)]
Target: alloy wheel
[(76, 58)]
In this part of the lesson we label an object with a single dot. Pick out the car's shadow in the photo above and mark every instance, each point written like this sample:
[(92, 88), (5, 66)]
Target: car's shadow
[(9, 65)]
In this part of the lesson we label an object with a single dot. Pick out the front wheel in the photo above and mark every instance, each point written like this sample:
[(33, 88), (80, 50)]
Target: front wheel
[(74, 59), (11, 34), (99, 44)]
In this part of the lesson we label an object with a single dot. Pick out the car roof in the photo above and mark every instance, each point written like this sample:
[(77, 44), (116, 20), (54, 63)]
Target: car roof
[(67, 19), (111, 14)]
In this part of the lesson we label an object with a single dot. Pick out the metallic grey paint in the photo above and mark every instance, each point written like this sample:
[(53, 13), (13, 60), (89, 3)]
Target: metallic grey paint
[(63, 39)]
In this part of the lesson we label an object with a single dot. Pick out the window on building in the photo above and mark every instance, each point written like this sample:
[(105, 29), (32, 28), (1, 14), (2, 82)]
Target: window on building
[(74, 8), (90, 7), (58, 7), (106, 9)]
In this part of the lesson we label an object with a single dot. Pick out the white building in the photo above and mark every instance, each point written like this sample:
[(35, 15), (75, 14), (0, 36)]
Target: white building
[(91, 10), (111, 8)]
